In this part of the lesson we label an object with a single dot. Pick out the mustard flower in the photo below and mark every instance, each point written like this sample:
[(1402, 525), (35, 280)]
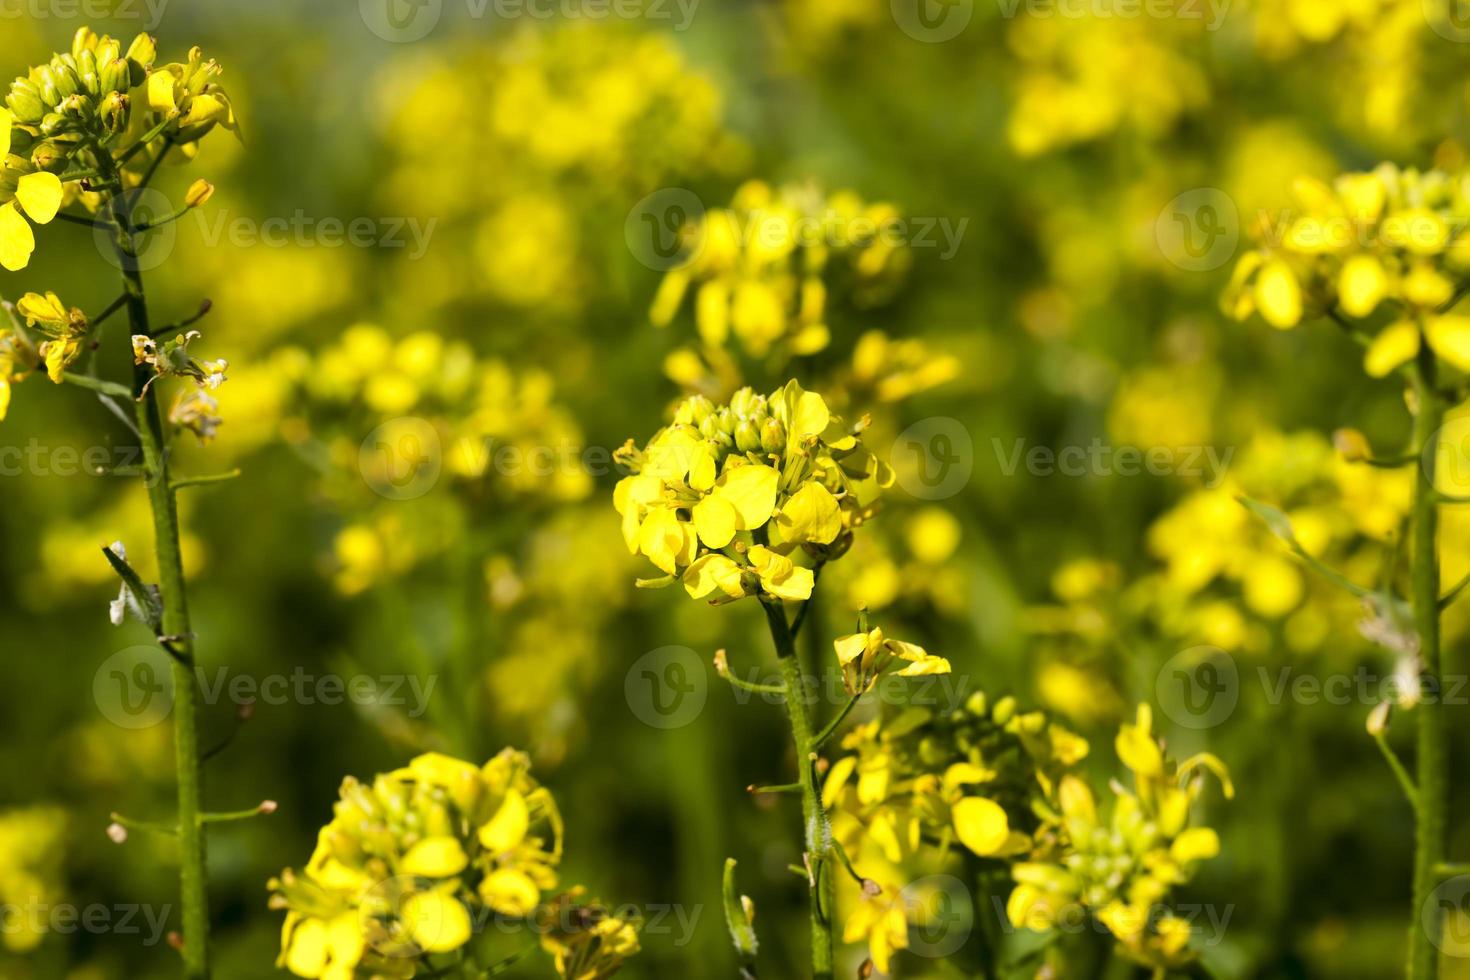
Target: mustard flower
[(586, 941), (1389, 239), (1121, 867), (171, 358), (759, 269), (726, 497), (76, 104), (865, 656)]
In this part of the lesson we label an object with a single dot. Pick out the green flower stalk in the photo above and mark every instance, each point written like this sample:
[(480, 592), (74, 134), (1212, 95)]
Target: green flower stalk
[(1385, 241), (90, 128), (751, 499)]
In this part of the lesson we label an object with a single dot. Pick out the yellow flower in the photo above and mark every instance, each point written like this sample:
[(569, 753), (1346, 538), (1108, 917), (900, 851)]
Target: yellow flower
[(779, 576), (726, 497), (865, 656), (322, 949), (879, 920), (37, 196)]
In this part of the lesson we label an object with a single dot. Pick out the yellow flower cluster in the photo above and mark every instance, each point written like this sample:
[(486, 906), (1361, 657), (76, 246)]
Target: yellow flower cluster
[(973, 776), (1387, 238), (760, 269), (1119, 867), (32, 842), (1081, 78), (575, 121), (77, 108), (409, 862), (725, 496)]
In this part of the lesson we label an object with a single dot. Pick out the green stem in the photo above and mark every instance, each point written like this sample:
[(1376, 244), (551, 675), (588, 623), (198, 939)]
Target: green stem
[(192, 883), (817, 832), (1433, 777)]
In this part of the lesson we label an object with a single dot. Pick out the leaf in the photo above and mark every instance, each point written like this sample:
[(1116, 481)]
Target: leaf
[(1280, 526), (142, 594)]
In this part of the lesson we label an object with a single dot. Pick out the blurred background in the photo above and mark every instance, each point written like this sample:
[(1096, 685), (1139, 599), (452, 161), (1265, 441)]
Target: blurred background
[(443, 262)]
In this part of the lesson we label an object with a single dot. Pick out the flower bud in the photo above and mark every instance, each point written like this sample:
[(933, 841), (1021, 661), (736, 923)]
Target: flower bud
[(1004, 709), (773, 435), (88, 75), (1378, 718), (199, 192), (1352, 445), (49, 89), (47, 155), (694, 410), (744, 402), (25, 101), (143, 50), (114, 113), (747, 437), (117, 77), (67, 82)]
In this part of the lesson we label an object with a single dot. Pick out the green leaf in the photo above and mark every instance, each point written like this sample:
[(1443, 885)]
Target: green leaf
[(1280, 526), (143, 596)]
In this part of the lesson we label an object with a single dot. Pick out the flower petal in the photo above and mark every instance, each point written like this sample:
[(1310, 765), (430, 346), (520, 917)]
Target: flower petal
[(40, 195), (17, 241)]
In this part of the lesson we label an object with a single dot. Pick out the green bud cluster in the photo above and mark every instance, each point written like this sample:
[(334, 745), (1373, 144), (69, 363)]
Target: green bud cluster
[(746, 425), (80, 96)]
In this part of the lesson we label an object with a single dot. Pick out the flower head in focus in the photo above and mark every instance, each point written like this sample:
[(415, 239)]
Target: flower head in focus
[(725, 498)]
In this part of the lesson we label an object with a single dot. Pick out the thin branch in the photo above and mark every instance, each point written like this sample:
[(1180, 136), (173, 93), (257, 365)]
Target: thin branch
[(204, 481), (826, 733), (1402, 774)]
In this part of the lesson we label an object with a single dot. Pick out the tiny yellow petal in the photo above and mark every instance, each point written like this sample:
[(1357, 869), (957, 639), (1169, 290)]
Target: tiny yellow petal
[(981, 825), (161, 92), (435, 857), (17, 241), (509, 825), (1278, 295), (1450, 338), (1394, 345), (1361, 285), (436, 922)]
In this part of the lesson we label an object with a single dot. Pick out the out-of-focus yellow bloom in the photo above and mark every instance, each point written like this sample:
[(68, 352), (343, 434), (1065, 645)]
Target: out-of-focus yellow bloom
[(724, 496), (578, 121), (587, 941), (759, 269), (31, 849), (1121, 869), (1081, 78), (881, 921), (1370, 239)]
